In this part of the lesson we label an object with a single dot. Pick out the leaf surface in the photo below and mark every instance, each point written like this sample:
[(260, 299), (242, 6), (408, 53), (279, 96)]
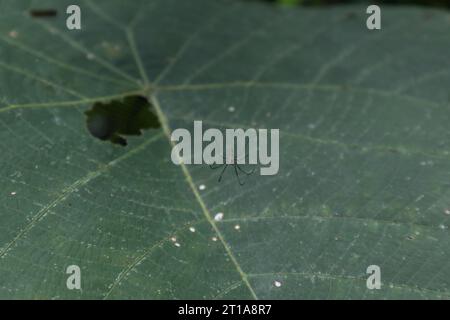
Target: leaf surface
[(364, 152)]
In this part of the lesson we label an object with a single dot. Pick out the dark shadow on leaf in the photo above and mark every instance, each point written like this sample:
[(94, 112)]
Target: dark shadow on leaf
[(128, 116), (43, 13)]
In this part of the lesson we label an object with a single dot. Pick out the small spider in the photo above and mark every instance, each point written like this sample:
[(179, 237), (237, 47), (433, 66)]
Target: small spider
[(232, 161)]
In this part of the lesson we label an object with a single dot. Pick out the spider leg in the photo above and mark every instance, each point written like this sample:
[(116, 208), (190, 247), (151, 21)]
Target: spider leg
[(223, 170), (237, 174), (215, 166), (246, 172)]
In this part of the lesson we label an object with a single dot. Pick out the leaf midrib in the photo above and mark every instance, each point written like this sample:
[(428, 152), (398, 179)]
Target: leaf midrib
[(199, 199)]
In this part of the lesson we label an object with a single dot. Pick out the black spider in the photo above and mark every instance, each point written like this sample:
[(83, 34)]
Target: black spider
[(236, 166)]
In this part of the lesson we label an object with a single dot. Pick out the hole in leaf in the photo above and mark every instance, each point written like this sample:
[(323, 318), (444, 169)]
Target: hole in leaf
[(127, 116)]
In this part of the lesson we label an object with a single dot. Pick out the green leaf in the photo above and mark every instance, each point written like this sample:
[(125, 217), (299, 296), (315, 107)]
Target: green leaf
[(364, 152)]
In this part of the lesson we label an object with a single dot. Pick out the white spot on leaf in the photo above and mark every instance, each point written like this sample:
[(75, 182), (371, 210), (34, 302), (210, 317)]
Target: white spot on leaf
[(218, 216), (13, 34)]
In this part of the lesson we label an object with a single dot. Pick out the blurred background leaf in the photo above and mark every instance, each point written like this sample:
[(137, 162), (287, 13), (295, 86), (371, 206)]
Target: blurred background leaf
[(431, 3)]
